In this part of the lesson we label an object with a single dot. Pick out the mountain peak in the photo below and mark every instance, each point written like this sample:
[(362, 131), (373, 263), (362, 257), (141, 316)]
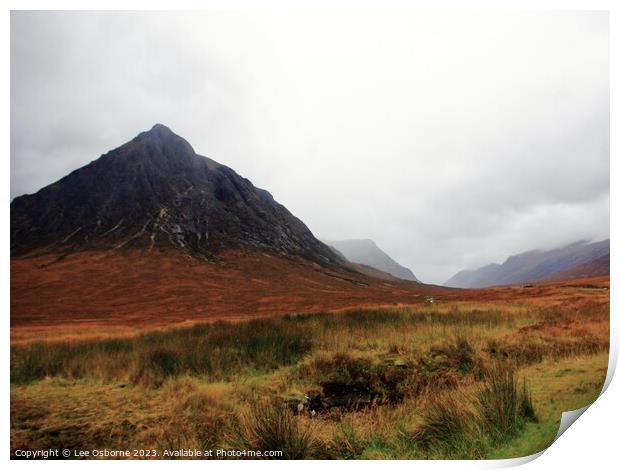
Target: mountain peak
[(160, 146), (156, 192), (161, 130)]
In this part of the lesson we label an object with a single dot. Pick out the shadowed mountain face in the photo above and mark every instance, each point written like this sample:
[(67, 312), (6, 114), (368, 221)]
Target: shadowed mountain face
[(576, 260), (155, 191), (368, 253)]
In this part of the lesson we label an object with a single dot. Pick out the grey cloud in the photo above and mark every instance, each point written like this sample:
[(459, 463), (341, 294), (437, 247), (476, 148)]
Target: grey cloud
[(452, 139)]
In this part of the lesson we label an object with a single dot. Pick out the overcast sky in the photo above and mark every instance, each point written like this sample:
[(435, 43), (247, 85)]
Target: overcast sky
[(452, 139)]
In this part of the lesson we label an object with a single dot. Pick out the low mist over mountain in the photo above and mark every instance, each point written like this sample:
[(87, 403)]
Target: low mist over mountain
[(367, 252), (155, 191), (579, 259)]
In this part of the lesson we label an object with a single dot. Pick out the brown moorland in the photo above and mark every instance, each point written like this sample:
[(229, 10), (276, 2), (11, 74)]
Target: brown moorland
[(119, 293), (477, 374), (91, 293)]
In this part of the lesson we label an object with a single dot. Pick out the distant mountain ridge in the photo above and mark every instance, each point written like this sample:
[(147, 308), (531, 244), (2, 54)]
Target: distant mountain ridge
[(367, 252), (595, 267), (536, 265)]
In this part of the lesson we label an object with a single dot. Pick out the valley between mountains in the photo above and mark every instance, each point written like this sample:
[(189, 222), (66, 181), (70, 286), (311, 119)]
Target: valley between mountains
[(159, 300)]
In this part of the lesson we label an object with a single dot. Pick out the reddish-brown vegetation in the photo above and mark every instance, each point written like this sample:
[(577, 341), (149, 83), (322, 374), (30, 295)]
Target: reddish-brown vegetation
[(120, 293)]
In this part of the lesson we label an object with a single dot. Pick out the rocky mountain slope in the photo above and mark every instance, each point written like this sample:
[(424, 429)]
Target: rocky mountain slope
[(156, 192)]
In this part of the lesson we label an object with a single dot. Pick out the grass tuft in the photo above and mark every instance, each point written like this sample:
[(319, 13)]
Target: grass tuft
[(269, 426), (466, 427), (498, 402)]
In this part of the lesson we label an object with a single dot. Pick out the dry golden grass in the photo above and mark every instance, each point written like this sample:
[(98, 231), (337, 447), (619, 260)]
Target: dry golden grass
[(193, 387)]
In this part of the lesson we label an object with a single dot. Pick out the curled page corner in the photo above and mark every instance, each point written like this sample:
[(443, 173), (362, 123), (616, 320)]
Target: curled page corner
[(568, 418)]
